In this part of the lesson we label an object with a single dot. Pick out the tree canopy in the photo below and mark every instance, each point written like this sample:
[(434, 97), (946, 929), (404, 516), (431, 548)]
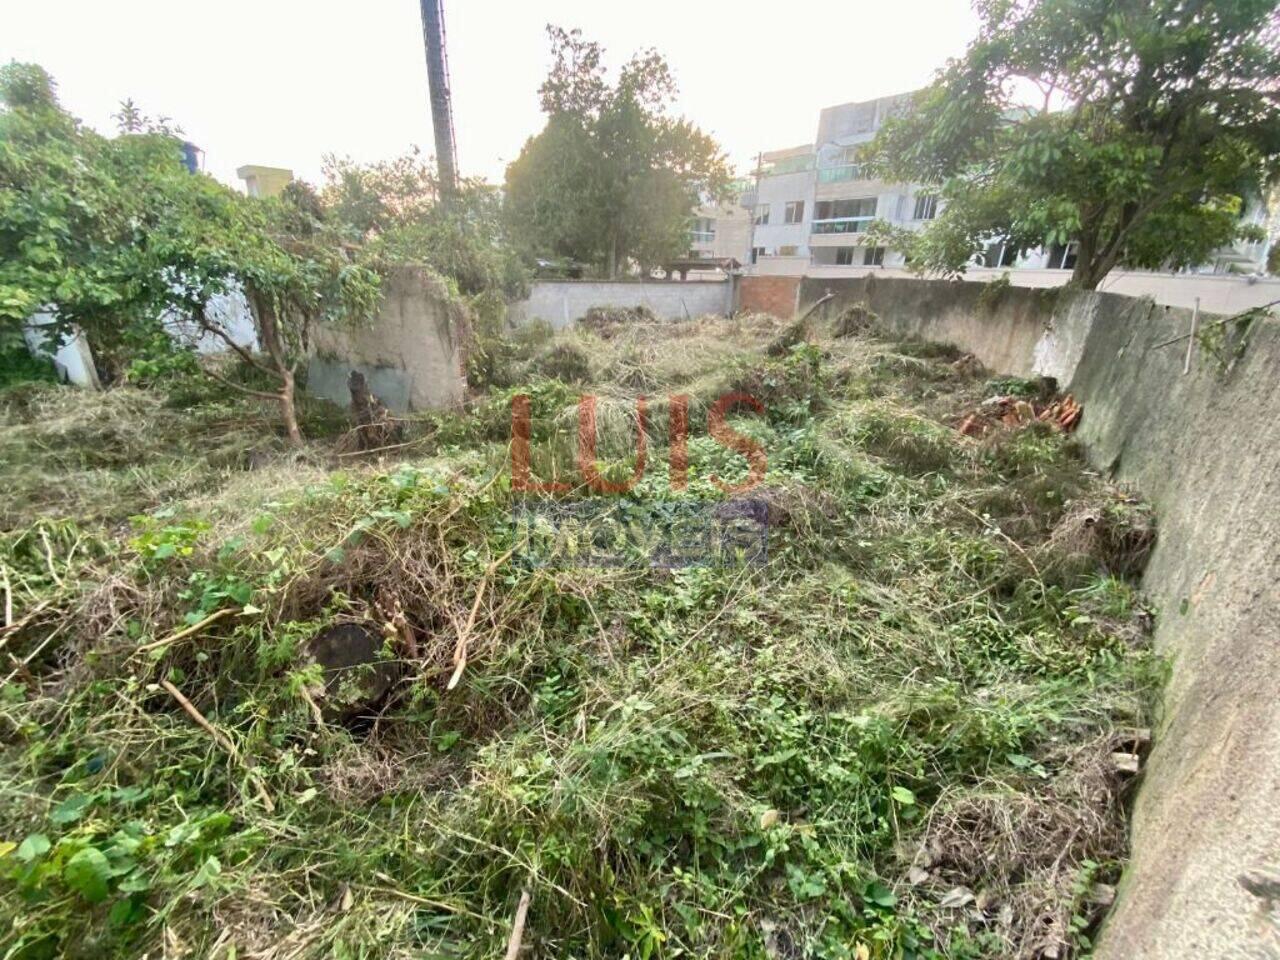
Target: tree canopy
[(1157, 120), (612, 178), (394, 207), (115, 236)]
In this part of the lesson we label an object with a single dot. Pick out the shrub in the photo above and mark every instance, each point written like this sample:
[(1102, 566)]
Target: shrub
[(563, 362)]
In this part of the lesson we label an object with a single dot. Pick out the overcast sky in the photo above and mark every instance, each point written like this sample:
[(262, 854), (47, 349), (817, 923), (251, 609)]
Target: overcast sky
[(282, 82)]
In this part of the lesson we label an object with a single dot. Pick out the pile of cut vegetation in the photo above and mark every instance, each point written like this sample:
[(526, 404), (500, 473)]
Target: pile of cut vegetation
[(344, 710)]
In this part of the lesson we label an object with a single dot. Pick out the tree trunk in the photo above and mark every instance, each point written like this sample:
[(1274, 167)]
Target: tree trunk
[(288, 410), (1086, 275), (269, 335), (613, 256)]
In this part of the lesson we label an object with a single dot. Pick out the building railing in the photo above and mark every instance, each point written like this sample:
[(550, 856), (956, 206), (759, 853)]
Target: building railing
[(846, 171), (842, 225), (704, 236)]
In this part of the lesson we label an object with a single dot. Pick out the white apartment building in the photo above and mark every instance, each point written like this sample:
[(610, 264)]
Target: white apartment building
[(813, 203), (811, 206), (721, 230)]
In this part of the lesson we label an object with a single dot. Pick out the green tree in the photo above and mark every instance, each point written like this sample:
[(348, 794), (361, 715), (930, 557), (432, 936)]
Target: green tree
[(1157, 119), (612, 178), (116, 235), (393, 207), (292, 261), (64, 218)]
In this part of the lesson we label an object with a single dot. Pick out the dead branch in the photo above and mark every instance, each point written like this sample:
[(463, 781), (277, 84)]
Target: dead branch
[(464, 635), (186, 632), (235, 386), (222, 740), (245, 355), (517, 926)]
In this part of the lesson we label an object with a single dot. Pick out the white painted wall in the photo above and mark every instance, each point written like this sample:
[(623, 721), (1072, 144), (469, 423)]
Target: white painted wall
[(73, 359), (231, 312), (561, 302)]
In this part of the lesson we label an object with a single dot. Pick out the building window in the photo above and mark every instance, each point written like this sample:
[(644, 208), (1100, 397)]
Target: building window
[(762, 214), (843, 216), (873, 257), (704, 230), (926, 206), (844, 256), (1000, 254), (1063, 257), (794, 212), (788, 250), (757, 253)]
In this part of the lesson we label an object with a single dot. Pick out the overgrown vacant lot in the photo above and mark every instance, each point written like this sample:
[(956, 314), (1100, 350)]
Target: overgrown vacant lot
[(892, 739)]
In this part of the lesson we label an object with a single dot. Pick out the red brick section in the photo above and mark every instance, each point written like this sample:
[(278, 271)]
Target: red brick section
[(775, 295)]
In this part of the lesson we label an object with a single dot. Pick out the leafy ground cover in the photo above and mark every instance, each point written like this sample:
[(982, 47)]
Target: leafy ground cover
[(891, 739)]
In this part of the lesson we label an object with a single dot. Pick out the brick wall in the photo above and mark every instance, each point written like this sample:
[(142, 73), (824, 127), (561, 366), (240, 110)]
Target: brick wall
[(775, 295)]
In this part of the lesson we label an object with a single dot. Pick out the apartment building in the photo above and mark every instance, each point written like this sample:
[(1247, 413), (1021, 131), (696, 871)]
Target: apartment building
[(811, 205), (722, 230)]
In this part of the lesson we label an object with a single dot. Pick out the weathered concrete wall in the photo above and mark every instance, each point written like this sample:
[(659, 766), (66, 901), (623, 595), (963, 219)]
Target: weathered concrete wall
[(1001, 330), (412, 354), (1204, 448), (561, 302), (1218, 292)]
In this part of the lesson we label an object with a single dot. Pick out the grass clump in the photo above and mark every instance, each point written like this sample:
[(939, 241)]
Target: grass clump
[(564, 362), (807, 756)]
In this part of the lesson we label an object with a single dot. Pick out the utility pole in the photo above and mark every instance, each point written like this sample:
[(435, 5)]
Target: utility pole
[(441, 100)]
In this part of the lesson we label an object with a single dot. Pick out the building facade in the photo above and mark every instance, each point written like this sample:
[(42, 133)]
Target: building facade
[(811, 205), (722, 230)]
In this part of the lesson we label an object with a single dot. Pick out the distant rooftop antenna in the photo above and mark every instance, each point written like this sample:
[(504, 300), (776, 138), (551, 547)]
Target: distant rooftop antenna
[(441, 99)]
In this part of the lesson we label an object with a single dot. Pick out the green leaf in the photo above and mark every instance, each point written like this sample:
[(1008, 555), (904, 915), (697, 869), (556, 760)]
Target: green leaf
[(87, 873), (448, 739), (904, 796), (881, 895), (71, 809), (209, 871), (36, 845)]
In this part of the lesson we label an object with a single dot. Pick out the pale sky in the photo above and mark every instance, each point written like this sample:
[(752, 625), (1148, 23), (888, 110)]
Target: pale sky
[(282, 82)]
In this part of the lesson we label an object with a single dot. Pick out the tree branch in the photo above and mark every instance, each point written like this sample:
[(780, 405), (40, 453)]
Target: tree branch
[(245, 355), (235, 386)]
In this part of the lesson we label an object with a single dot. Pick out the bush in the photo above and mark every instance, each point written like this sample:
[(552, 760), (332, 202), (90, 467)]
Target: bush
[(563, 362), (17, 365), (606, 322), (497, 351)]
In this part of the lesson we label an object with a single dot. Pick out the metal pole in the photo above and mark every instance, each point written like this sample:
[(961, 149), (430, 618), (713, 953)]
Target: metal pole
[(441, 107)]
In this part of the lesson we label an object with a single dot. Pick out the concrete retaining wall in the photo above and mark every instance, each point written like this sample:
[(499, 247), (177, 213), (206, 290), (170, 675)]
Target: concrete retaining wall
[(560, 302), (412, 354), (1217, 292), (1204, 448)]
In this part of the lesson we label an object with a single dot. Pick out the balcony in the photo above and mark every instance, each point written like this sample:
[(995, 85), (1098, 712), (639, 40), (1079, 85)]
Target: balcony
[(704, 236), (846, 171), (842, 225)]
